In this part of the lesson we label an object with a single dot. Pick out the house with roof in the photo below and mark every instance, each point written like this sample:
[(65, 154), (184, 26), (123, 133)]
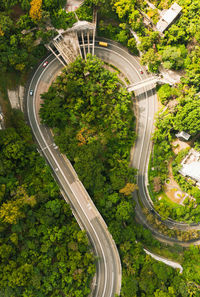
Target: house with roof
[(168, 17), (191, 166), (183, 135)]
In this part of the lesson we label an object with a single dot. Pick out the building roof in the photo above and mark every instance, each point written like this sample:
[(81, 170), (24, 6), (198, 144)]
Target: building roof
[(78, 26), (82, 25), (168, 17), (192, 170), (183, 135)]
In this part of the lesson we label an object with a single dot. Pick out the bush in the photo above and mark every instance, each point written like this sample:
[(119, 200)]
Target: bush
[(165, 93)]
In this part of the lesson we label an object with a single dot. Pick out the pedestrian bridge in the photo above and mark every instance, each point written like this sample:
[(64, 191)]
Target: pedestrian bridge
[(147, 82)]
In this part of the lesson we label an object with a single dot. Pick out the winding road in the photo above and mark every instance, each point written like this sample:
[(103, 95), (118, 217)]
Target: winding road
[(108, 269), (146, 104), (108, 273)]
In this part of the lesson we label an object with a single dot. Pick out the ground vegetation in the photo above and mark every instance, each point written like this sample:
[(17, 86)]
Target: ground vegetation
[(43, 252), (94, 112), (182, 115), (25, 27), (26, 198)]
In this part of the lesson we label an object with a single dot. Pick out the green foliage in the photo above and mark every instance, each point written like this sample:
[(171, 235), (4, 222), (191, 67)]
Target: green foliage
[(95, 127), (108, 30), (123, 8), (147, 42), (192, 77), (197, 145), (152, 59), (6, 24), (53, 5), (173, 56), (188, 116), (162, 148), (22, 39), (122, 37), (61, 19), (190, 266), (166, 93), (132, 46), (85, 11), (42, 250), (90, 132)]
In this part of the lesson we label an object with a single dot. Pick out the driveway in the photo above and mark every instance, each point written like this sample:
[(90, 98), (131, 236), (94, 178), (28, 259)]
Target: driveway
[(72, 5)]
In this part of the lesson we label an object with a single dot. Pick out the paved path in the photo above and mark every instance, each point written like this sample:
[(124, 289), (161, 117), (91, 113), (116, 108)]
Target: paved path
[(72, 5), (166, 261)]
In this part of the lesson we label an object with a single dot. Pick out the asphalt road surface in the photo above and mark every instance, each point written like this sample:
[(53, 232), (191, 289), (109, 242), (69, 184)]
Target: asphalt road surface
[(108, 269), (146, 103), (108, 273)]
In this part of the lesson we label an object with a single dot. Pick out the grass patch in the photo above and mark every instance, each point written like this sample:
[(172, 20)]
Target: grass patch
[(11, 80), (6, 108), (167, 200), (8, 81), (174, 253), (152, 195)]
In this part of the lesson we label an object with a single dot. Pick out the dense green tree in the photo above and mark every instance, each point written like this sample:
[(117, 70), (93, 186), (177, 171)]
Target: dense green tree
[(132, 46), (123, 7), (6, 24), (188, 116), (92, 131), (173, 57), (165, 93), (42, 250), (192, 77), (151, 59), (147, 42)]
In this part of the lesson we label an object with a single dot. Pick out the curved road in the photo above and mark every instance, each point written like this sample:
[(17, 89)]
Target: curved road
[(146, 107), (108, 276), (108, 271)]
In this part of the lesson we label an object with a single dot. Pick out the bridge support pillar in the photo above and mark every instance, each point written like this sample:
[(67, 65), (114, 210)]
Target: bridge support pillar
[(57, 56)]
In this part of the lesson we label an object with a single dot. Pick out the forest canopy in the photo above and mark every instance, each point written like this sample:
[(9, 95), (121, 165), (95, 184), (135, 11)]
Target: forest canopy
[(42, 250), (25, 27), (90, 113)]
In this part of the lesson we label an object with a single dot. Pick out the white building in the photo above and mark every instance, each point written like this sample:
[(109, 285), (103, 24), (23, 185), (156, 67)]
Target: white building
[(168, 17), (191, 166), (183, 135)]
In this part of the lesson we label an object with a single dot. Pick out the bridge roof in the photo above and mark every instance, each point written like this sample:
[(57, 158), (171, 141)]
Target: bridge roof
[(81, 25)]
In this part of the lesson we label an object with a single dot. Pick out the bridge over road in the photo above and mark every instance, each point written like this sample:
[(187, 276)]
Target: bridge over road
[(149, 82)]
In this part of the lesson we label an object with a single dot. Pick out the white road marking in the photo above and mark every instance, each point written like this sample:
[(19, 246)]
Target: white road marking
[(58, 166)]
